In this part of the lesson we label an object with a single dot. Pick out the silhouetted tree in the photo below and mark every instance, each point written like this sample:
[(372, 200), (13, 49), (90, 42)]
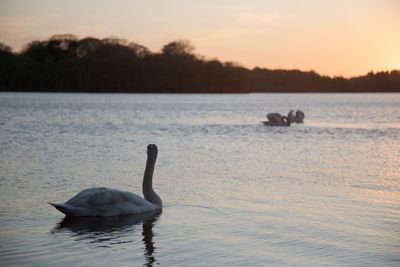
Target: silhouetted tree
[(65, 63), (180, 47), (5, 52)]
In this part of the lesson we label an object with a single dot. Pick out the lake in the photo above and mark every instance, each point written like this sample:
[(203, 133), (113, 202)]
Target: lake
[(235, 192)]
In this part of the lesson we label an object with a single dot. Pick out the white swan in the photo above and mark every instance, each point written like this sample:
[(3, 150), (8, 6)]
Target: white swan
[(100, 201), (292, 117), (276, 119), (298, 118)]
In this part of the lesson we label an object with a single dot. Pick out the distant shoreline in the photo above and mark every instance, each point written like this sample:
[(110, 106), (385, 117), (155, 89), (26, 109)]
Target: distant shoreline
[(89, 65)]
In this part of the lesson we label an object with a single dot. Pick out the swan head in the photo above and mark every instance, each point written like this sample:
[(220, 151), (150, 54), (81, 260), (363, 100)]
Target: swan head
[(152, 150), (286, 120)]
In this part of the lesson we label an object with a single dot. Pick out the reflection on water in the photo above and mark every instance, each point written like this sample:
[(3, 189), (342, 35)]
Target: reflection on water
[(108, 231), (148, 241)]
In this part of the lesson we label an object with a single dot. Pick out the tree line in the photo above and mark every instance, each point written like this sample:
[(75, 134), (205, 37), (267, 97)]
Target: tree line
[(64, 63)]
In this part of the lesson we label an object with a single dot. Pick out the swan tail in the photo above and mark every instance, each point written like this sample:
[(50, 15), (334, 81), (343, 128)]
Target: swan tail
[(64, 208)]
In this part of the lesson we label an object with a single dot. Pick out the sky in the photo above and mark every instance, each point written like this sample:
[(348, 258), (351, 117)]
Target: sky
[(336, 38)]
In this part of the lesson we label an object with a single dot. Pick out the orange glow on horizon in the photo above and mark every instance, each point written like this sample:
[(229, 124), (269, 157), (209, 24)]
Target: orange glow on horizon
[(335, 38)]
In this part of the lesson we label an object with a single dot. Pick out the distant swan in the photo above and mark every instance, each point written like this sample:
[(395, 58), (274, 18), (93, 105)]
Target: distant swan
[(291, 116), (100, 201), (276, 119), (298, 118)]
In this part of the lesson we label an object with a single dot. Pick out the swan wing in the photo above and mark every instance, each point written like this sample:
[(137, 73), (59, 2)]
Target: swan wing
[(274, 117)]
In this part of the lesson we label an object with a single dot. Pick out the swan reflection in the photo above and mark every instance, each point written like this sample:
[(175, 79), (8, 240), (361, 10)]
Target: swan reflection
[(110, 231)]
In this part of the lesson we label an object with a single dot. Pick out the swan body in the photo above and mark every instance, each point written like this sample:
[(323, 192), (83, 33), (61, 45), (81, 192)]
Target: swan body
[(100, 201), (276, 119)]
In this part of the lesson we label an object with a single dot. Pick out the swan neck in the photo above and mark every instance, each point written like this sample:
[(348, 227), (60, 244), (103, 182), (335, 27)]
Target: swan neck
[(148, 174), (147, 186)]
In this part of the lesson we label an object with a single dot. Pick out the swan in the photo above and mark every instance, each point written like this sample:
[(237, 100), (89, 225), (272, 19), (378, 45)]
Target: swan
[(292, 117), (300, 116), (276, 119), (100, 201)]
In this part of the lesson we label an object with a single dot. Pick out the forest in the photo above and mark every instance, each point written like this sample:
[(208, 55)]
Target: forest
[(64, 63)]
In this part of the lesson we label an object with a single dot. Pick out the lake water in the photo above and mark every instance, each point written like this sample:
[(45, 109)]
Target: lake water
[(236, 192)]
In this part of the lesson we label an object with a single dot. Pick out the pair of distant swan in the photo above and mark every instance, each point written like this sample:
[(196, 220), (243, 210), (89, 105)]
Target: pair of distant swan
[(298, 118), (276, 119), (100, 201)]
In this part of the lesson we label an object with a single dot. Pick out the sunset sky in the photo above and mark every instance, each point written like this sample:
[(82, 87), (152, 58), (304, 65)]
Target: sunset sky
[(333, 38)]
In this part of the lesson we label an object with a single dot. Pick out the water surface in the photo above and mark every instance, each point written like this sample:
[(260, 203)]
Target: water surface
[(236, 192)]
